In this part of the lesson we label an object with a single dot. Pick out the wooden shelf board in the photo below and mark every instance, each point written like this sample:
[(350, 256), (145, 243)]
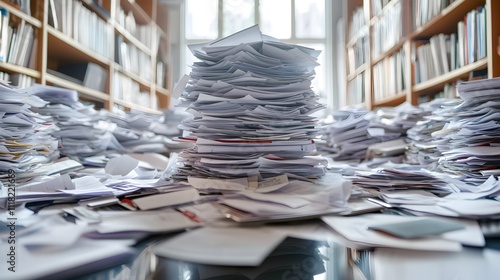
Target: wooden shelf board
[(18, 13), (394, 100), (357, 71), (19, 69), (395, 48), (131, 39), (140, 15), (453, 13), (64, 48), (362, 32), (438, 82), (384, 11), (88, 92), (145, 84), (162, 91)]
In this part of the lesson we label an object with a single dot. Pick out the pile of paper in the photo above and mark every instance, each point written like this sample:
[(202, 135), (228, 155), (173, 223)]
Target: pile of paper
[(395, 119), (347, 137), (469, 141), (82, 132), (422, 147), (25, 137), (401, 177), (390, 125), (377, 136), (140, 132), (252, 103)]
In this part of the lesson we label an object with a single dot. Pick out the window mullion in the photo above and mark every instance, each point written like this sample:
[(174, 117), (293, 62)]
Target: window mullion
[(257, 12), (292, 17), (220, 20)]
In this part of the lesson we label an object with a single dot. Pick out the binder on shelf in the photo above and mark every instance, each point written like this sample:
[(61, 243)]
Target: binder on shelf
[(89, 74), (4, 37), (53, 17)]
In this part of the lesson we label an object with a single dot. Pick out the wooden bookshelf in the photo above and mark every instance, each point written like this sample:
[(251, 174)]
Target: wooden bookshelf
[(415, 27), (89, 37)]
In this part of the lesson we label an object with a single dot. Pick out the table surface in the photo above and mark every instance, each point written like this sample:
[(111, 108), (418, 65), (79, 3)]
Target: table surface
[(296, 259)]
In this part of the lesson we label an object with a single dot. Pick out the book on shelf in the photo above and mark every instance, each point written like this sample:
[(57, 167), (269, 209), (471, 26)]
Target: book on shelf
[(18, 43), (82, 24), (356, 90), (426, 10), (461, 44), (389, 76), (14, 47), (160, 74), (452, 51), (25, 46), (4, 37), (52, 15), (90, 75), (444, 50)]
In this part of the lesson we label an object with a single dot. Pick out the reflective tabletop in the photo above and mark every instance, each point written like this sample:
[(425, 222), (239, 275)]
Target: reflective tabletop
[(296, 259)]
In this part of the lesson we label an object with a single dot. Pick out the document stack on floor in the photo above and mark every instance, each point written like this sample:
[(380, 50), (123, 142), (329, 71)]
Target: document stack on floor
[(252, 102), (25, 137)]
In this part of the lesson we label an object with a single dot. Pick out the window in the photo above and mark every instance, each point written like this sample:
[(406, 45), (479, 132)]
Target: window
[(299, 22)]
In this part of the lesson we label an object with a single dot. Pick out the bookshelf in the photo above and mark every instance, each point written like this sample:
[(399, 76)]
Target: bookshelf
[(414, 51), (120, 39)]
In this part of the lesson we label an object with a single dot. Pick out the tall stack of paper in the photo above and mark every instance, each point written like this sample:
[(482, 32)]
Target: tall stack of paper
[(252, 102), (469, 141), (25, 137)]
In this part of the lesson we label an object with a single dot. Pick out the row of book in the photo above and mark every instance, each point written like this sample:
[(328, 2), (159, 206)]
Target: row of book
[(389, 76), (132, 59), (142, 32), (82, 24), (17, 40), (356, 90), (425, 10), (357, 22), (128, 90), (443, 53), (17, 80), (23, 5), (357, 55), (385, 32), (161, 74)]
